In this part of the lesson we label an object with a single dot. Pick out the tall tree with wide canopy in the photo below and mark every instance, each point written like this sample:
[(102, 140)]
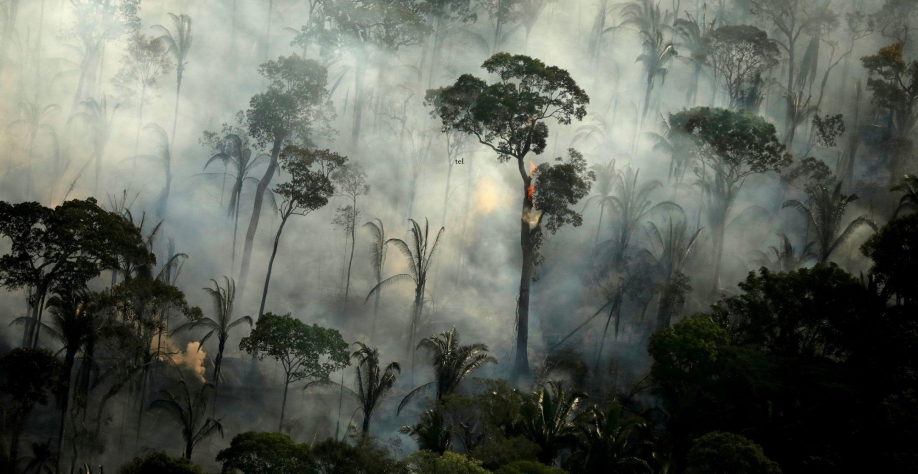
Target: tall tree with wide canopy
[(62, 248), (509, 117), (295, 103), (305, 352), (728, 147), (308, 189), (743, 55)]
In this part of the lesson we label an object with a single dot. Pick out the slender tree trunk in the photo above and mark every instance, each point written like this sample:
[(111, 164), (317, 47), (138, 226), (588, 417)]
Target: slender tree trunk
[(64, 400), (375, 313), (178, 91), (235, 233), (647, 98), (264, 294), (8, 34), (358, 102), (350, 263), (719, 231), (602, 212), (521, 359), (143, 93), (256, 212), (280, 426)]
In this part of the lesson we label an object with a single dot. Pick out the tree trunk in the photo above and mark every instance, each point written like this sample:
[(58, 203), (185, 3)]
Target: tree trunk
[(375, 313), (350, 263), (13, 12), (521, 359), (178, 90), (358, 102), (143, 93), (280, 425), (647, 98), (366, 423), (719, 231), (64, 400), (264, 294), (602, 212), (256, 212)]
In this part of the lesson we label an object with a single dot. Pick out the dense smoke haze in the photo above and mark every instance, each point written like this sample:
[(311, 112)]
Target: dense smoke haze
[(691, 143)]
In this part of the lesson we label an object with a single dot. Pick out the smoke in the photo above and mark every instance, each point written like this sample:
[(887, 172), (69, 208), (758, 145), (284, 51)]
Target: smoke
[(191, 359)]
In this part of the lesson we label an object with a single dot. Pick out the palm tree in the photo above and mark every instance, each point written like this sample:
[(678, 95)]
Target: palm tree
[(430, 432), (694, 39), (33, 119), (41, 461), (97, 116), (652, 26), (220, 325), (162, 154), (419, 257), (530, 11), (189, 411), (909, 187), (378, 251), (631, 206), (609, 441), (548, 419), (179, 45), (234, 151), (786, 258), (675, 249), (451, 362), (606, 178), (825, 215), (73, 321), (373, 382)]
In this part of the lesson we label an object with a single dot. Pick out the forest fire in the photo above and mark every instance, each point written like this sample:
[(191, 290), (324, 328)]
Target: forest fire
[(531, 189)]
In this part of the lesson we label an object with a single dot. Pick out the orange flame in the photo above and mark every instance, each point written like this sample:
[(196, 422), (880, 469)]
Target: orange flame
[(531, 188)]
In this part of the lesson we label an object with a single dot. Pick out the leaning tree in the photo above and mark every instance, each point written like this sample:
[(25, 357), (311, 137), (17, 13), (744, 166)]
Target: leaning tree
[(509, 116), (295, 102), (308, 189)]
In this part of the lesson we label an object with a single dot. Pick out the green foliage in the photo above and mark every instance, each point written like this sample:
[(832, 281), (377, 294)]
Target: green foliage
[(497, 451), (265, 453), (530, 467), (339, 457), (727, 453), (737, 140), (894, 84), (431, 432), (452, 363), (825, 215), (828, 129), (610, 441), (509, 115), (373, 381), (188, 409), (310, 184), (548, 419), (557, 187), (428, 462), (306, 352), (28, 377), (692, 349), (895, 258), (159, 462), (294, 105), (743, 54), (802, 313)]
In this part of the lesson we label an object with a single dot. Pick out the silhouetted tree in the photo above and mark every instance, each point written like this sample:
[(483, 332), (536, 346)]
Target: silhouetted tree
[(29, 376), (728, 146), (655, 31), (419, 257), (305, 352), (351, 183), (509, 117), (825, 215), (179, 45), (295, 102), (378, 248), (189, 410), (308, 189)]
